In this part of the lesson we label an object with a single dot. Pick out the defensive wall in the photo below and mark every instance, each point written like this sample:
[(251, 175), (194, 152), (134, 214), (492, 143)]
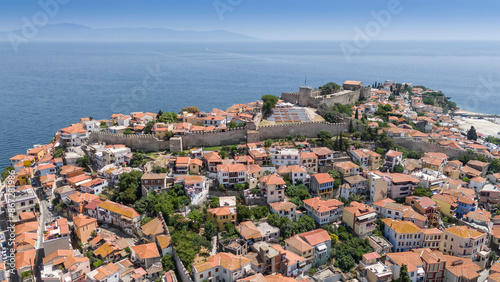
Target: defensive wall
[(432, 147), (307, 129), (142, 142), (307, 97), (147, 142)]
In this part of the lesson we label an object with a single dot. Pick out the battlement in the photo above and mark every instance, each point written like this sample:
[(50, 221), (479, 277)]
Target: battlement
[(431, 147), (302, 123), (148, 142), (215, 131)]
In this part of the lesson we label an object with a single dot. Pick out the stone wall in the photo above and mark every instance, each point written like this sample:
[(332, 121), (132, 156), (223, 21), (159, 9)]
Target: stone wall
[(147, 142), (308, 129), (290, 97), (431, 147), (307, 97), (179, 266), (143, 142), (209, 139)]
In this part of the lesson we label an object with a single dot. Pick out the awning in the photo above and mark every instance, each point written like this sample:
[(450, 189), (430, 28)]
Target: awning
[(321, 247), (366, 216)]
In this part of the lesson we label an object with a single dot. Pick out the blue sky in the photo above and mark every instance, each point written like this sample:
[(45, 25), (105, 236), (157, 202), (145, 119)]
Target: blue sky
[(277, 19)]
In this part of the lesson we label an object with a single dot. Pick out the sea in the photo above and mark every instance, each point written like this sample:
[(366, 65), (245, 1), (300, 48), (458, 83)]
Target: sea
[(45, 86)]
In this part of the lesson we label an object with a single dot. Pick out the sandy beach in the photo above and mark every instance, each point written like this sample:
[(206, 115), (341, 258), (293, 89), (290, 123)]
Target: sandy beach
[(483, 126)]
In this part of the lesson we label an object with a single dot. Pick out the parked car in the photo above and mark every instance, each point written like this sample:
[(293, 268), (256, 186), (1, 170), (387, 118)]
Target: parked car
[(51, 208)]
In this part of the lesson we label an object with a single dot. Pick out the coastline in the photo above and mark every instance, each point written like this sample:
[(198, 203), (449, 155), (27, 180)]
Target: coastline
[(487, 127)]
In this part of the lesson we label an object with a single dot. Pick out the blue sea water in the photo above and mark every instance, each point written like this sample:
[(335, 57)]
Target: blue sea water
[(48, 85)]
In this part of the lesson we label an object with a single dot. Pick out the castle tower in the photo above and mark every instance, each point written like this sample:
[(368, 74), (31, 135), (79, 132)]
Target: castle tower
[(305, 94)]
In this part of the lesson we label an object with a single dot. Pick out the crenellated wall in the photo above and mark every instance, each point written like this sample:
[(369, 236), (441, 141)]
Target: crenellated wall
[(209, 139), (147, 142), (308, 129), (142, 142), (431, 147)]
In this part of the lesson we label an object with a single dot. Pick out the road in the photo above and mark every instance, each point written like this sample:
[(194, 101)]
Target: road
[(46, 216)]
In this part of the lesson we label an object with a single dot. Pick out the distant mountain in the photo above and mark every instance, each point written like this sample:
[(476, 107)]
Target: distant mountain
[(73, 32)]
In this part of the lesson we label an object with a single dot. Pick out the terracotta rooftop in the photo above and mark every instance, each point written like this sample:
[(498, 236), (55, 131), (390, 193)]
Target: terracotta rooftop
[(146, 251), (226, 260), (464, 232), (153, 227), (402, 226)]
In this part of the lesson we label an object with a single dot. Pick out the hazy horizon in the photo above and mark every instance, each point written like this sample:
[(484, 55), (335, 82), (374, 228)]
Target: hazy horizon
[(272, 20)]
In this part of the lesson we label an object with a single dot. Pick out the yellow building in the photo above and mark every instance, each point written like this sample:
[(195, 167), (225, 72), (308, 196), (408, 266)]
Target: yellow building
[(361, 218), (195, 166), (37, 153), (254, 173), (29, 161), (25, 175), (84, 226), (432, 163), (346, 168), (222, 216), (446, 202)]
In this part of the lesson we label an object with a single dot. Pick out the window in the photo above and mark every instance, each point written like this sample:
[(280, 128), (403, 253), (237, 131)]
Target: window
[(201, 276)]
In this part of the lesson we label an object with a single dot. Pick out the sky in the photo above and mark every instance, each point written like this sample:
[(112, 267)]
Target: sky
[(275, 19)]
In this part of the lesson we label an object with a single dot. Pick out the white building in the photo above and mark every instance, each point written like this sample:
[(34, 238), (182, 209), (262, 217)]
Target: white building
[(285, 157), (231, 174), (222, 267)]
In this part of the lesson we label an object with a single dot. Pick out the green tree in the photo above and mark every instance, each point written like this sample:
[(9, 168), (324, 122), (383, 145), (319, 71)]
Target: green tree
[(260, 212), (356, 116), (422, 192), (128, 131), (481, 158), (197, 219), (210, 229), (399, 168), (168, 117), (6, 172), (191, 109), (404, 276), (325, 135), (84, 162), (137, 159), (168, 135), (464, 159), (239, 186), (269, 102), (128, 187), (214, 202), (495, 166), (268, 143), (244, 213), (97, 263), (58, 152), (471, 134), (168, 262), (331, 116), (329, 88), (149, 127)]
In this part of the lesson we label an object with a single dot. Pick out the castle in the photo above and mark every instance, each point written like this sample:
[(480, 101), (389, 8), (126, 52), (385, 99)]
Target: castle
[(350, 93)]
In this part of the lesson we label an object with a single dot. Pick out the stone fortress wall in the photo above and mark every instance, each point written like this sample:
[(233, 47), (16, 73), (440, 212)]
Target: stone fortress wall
[(307, 97), (251, 133)]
